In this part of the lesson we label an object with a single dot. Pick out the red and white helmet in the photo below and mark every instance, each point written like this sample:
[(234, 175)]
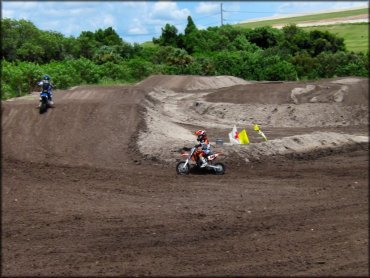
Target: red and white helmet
[(201, 134)]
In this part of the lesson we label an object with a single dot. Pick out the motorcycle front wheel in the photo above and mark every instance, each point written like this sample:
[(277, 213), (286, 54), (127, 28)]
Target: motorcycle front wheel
[(182, 169), (43, 106)]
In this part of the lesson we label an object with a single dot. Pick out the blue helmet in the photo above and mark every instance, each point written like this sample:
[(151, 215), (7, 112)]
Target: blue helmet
[(46, 77)]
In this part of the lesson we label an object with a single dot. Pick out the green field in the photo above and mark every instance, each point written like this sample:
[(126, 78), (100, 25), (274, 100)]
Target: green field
[(356, 35), (300, 19)]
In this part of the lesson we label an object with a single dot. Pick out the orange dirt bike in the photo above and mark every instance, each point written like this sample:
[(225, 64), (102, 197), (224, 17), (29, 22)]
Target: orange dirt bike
[(193, 161)]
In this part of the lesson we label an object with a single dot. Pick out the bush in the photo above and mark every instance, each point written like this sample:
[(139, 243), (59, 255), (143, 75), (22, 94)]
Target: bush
[(116, 72), (228, 63), (251, 66), (305, 65), (341, 64), (19, 78), (354, 65), (87, 71), (265, 37), (140, 68), (282, 70)]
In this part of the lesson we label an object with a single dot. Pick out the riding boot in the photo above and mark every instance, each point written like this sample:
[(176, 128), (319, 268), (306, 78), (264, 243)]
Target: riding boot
[(51, 103), (204, 162)]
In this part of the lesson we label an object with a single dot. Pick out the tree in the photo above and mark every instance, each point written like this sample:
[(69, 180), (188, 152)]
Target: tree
[(173, 56), (30, 52), (190, 27), (265, 37), (295, 39), (305, 65), (53, 46), (252, 66), (168, 37), (87, 44), (107, 37), (228, 63), (72, 47), (325, 41), (19, 37), (241, 43), (140, 68), (209, 40), (106, 54), (282, 70)]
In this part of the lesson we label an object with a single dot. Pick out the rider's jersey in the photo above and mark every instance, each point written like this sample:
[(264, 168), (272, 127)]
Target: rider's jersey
[(205, 145), (46, 87)]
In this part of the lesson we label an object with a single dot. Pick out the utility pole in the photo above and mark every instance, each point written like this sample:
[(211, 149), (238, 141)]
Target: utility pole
[(222, 17)]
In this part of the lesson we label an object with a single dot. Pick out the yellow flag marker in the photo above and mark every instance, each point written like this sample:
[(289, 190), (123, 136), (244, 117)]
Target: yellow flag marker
[(256, 127), (243, 137)]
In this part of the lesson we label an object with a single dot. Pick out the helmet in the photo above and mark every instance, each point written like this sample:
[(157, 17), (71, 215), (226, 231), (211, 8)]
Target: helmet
[(46, 77), (201, 134)]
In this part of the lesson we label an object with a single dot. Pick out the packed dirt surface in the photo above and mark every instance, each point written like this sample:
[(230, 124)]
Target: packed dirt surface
[(90, 187)]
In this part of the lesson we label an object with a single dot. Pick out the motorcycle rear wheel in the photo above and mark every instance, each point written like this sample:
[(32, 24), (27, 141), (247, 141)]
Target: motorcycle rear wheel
[(182, 169), (219, 168)]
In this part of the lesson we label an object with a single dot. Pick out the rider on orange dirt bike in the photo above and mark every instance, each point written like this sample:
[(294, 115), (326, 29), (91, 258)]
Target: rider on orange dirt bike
[(204, 144)]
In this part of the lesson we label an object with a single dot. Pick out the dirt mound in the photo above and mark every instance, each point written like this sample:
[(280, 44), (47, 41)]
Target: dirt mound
[(189, 82), (348, 91), (91, 126), (315, 105), (299, 146)]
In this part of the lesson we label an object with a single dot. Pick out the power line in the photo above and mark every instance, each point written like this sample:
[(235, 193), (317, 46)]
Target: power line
[(215, 14)]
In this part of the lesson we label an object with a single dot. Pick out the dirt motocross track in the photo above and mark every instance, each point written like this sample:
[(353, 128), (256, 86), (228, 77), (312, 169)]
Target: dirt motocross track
[(90, 187)]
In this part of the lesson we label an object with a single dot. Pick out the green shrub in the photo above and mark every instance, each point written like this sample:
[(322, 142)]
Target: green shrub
[(305, 65), (19, 78), (116, 72), (341, 64), (228, 63), (140, 68), (282, 70), (87, 71)]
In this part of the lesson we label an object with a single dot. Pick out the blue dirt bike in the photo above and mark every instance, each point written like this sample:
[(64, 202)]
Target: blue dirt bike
[(44, 102)]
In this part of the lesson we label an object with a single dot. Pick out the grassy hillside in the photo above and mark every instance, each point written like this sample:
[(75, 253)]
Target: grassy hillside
[(301, 19), (356, 35)]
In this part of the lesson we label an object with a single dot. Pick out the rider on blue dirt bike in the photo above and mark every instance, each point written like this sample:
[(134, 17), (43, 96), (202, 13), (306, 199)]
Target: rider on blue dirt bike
[(47, 87)]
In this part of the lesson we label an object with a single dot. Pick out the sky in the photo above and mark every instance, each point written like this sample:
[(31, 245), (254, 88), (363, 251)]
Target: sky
[(140, 21)]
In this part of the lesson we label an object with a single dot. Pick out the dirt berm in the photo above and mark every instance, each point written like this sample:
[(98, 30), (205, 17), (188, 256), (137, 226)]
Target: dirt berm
[(90, 187)]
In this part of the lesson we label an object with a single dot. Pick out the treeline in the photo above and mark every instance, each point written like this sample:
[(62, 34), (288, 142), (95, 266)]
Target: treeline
[(102, 56)]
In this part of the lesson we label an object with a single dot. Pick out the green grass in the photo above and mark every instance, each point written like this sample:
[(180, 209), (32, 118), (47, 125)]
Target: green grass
[(356, 35), (300, 19), (147, 44)]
